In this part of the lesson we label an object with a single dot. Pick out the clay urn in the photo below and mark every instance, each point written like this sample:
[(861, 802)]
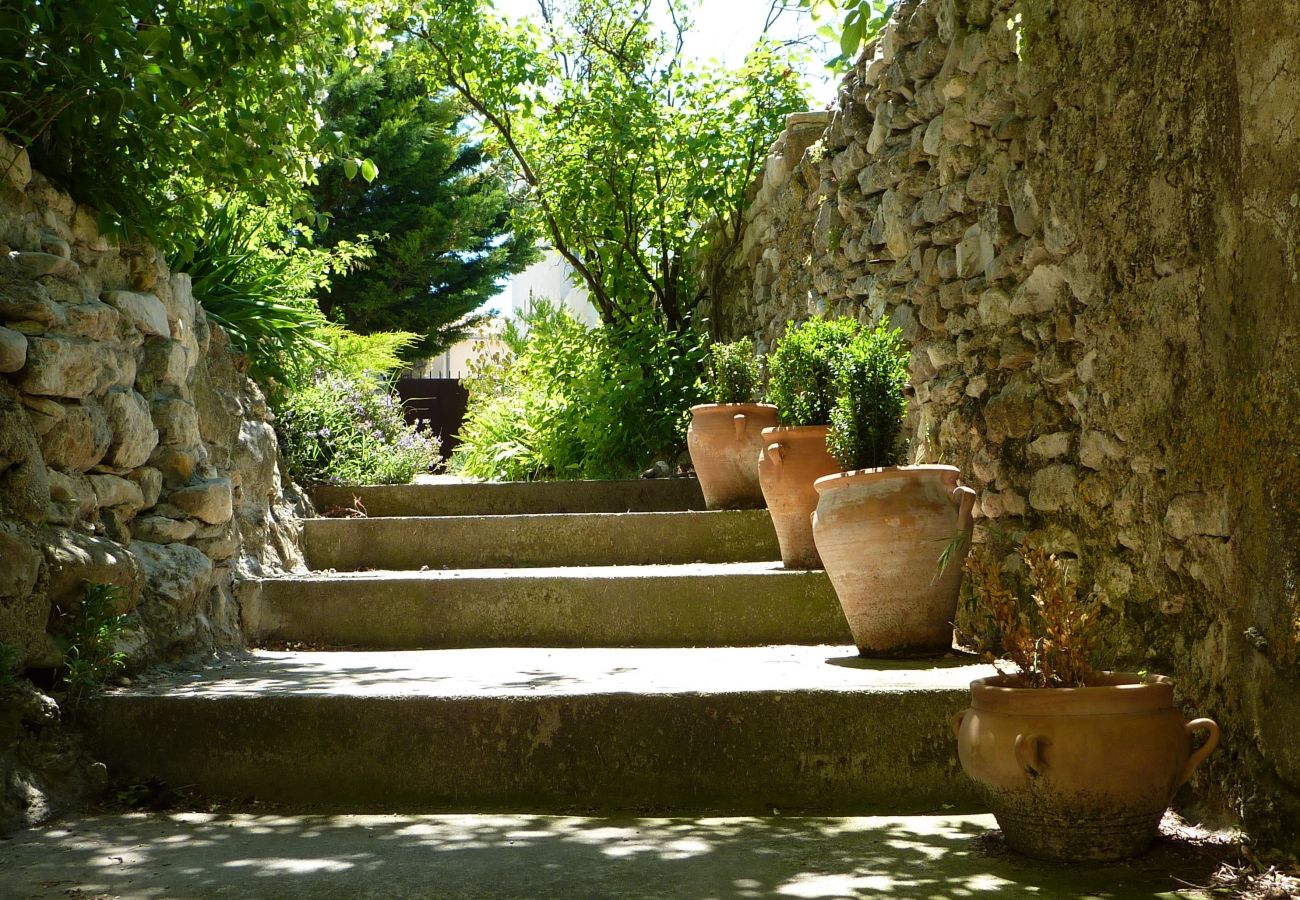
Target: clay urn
[(724, 440), (1079, 774), (893, 541), (793, 458)]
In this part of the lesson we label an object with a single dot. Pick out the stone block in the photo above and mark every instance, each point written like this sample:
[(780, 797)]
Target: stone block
[(145, 311), (1198, 513), (177, 466), (1024, 205), (112, 490), (163, 530), (211, 501), (78, 440), (60, 367), (1010, 413), (1050, 446), (23, 611), (92, 320), (176, 577), (13, 350), (34, 265), (1096, 447), (133, 434), (25, 301), (74, 558), (15, 165), (1053, 487)]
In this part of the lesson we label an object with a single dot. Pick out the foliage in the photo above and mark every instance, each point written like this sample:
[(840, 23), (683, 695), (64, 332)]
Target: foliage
[(86, 635), (733, 372), (1050, 646), (9, 664), (805, 369), (868, 416), (260, 293), (861, 23), (568, 401), (626, 152), (350, 430), (144, 108), (438, 215)]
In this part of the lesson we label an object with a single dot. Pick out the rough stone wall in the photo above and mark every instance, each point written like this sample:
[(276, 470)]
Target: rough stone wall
[(133, 449), (1084, 217)]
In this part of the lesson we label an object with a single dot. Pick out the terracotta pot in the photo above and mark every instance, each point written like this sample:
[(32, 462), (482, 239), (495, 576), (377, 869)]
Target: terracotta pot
[(882, 535), (724, 440), (793, 458), (1079, 773)]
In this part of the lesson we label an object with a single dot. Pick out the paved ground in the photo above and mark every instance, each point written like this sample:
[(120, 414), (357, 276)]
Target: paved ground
[(192, 855), (509, 671)]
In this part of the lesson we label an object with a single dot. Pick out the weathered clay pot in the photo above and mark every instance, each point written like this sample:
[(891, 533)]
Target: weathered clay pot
[(793, 458), (724, 440), (1079, 773), (893, 541)]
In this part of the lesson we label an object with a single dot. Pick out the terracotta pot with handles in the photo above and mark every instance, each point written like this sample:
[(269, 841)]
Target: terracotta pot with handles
[(1079, 773), (893, 541), (794, 457), (724, 440)]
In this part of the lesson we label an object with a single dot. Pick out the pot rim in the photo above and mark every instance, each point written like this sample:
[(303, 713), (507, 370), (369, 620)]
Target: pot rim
[(709, 407), (883, 473), (1119, 692), (797, 430)]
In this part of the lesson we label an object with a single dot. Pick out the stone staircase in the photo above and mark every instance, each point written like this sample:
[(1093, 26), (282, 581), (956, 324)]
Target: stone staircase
[(593, 647)]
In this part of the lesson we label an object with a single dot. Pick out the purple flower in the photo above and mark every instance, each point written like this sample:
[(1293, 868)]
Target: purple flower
[(324, 432)]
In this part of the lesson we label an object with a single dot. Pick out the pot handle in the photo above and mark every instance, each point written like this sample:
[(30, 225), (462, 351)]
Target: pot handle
[(776, 453), (1211, 741), (964, 497), (956, 720), (741, 422), (1029, 753)]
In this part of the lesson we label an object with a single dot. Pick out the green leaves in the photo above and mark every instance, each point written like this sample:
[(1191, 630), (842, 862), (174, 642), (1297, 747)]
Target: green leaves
[(805, 368), (868, 417), (630, 156), (733, 372)]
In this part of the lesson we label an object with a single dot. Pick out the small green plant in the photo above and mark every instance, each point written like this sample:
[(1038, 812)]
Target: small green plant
[(805, 369), (86, 635), (733, 372), (867, 422), (8, 666), (350, 429)]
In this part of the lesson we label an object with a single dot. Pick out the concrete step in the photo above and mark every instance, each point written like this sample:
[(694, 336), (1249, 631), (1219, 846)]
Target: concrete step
[(723, 604), (740, 730), (583, 539), (513, 498), (288, 856)]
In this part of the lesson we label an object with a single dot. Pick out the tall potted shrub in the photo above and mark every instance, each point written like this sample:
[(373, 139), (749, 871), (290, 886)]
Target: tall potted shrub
[(1075, 763), (892, 537), (725, 436), (803, 383)]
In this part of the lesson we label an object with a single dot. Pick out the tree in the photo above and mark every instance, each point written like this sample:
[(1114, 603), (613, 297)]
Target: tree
[(439, 213), (148, 109), (626, 151)]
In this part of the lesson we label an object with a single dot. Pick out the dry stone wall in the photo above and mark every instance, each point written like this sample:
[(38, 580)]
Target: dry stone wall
[(1084, 218), (133, 449)]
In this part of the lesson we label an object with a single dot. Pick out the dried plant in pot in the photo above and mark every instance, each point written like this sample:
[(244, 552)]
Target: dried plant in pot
[(892, 537), (805, 369), (725, 437), (1076, 764)]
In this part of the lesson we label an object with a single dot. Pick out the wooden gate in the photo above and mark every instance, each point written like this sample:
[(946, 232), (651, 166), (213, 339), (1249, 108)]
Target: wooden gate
[(440, 402)]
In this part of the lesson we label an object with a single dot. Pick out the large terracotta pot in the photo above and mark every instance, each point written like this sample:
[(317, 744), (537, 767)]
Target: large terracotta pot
[(793, 458), (724, 440), (1079, 773), (893, 542)]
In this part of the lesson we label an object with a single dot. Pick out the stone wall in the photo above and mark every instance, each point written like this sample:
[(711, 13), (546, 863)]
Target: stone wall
[(133, 449), (1084, 217)]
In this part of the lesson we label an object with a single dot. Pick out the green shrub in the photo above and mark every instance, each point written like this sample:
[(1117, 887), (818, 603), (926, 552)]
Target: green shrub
[(568, 401), (350, 430), (86, 635), (733, 372), (805, 367), (260, 289), (868, 417)]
